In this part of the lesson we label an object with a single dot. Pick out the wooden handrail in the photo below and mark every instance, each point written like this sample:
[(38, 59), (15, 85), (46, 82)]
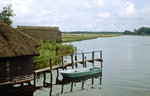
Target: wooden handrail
[(64, 55)]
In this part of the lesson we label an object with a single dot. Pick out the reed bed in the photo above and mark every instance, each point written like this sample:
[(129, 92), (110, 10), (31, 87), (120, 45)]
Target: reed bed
[(49, 50)]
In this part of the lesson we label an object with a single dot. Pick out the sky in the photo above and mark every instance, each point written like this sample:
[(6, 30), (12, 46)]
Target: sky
[(81, 15)]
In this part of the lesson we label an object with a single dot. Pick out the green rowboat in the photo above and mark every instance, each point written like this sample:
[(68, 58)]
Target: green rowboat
[(80, 72)]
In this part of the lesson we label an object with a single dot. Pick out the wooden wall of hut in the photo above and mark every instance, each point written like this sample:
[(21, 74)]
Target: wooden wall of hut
[(16, 55), (16, 69), (42, 33)]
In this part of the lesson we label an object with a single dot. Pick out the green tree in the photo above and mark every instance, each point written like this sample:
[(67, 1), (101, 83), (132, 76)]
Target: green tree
[(127, 32), (6, 13), (144, 30)]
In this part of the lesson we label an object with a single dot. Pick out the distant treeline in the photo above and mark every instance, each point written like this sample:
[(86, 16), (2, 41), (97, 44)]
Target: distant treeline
[(89, 32), (140, 31)]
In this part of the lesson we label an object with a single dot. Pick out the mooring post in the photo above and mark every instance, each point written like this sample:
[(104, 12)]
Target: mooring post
[(100, 83), (44, 78), (34, 74), (72, 61), (62, 88), (29, 83), (82, 84), (62, 61), (101, 59), (71, 86), (50, 61), (65, 67), (51, 87), (92, 83), (34, 78), (83, 60), (51, 70), (93, 58), (57, 72), (76, 60), (22, 84)]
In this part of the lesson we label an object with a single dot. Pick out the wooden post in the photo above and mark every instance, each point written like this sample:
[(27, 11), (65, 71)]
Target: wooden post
[(72, 61), (82, 85), (101, 59), (62, 61), (71, 86), (44, 79), (22, 84), (93, 58), (29, 83), (62, 88), (51, 87), (34, 78), (57, 72), (65, 67), (76, 60), (100, 83), (50, 61), (92, 83), (34, 74), (51, 71), (83, 60)]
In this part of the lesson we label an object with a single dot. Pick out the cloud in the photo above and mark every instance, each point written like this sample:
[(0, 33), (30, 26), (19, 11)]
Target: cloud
[(70, 15), (101, 2), (93, 3), (142, 14), (104, 15), (20, 7), (114, 27), (87, 5), (126, 9), (3, 3)]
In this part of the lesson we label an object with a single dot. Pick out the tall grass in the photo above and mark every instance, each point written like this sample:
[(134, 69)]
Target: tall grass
[(49, 50)]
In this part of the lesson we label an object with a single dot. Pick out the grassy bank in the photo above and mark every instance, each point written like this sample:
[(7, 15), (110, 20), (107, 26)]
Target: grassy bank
[(51, 49), (67, 37)]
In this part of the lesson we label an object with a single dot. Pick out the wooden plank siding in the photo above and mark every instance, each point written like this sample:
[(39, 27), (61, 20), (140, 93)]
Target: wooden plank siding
[(15, 70)]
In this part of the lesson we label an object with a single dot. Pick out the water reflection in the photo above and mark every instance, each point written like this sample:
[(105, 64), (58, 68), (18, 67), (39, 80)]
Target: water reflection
[(73, 82), (77, 79), (17, 91)]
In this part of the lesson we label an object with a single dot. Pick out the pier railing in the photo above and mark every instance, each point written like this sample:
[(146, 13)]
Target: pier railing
[(70, 60)]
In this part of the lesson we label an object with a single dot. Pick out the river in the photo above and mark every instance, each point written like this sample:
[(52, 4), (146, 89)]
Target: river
[(126, 70), (126, 65)]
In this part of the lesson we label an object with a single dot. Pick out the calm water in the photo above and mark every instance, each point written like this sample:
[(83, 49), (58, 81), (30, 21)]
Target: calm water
[(126, 70)]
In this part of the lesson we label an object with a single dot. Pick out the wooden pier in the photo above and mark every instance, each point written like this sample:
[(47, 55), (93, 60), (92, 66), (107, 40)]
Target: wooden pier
[(62, 64)]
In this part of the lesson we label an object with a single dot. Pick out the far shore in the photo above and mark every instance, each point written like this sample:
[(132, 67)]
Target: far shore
[(67, 37)]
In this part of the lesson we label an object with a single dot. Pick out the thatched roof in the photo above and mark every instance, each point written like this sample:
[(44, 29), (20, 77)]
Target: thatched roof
[(39, 28), (45, 33), (16, 43)]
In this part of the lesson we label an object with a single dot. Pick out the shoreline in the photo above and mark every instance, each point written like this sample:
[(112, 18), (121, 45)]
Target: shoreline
[(67, 37)]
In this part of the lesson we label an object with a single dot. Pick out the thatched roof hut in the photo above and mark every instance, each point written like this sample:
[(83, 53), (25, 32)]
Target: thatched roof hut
[(16, 52), (16, 43), (44, 33)]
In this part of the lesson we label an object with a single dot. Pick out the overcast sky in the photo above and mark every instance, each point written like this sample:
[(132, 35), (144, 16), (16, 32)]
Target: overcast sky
[(83, 15)]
